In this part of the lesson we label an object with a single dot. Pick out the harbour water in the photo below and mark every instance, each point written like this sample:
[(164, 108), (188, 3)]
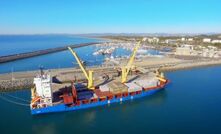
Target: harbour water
[(27, 43), (190, 104)]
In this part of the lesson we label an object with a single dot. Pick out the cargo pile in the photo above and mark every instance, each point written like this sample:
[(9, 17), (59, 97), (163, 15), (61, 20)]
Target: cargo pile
[(132, 87), (147, 83), (117, 87), (101, 94)]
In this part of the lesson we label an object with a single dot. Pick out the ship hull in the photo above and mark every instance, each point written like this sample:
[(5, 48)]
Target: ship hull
[(63, 107)]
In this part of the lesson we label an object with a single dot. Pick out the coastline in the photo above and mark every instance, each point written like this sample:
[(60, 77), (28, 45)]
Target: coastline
[(191, 66)]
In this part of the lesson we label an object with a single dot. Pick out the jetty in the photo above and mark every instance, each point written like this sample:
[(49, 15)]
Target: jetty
[(19, 56)]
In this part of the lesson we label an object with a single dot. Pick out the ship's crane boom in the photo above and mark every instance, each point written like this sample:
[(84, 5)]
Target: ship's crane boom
[(127, 68), (88, 74)]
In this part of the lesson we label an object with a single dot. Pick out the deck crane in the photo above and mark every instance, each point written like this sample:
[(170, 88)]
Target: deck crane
[(126, 69), (88, 74)]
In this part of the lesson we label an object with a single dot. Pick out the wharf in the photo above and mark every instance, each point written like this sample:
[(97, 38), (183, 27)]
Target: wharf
[(24, 80)]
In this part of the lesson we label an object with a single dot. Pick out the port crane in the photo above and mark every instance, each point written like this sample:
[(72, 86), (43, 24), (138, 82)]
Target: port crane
[(126, 69), (88, 74)]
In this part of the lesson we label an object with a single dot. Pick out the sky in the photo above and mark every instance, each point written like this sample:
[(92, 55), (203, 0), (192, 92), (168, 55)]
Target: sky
[(109, 16)]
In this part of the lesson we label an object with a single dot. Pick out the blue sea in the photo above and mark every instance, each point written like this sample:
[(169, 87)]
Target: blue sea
[(189, 105)]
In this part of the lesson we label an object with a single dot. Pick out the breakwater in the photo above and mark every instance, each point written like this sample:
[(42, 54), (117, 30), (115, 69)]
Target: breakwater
[(16, 84), (24, 80), (14, 57)]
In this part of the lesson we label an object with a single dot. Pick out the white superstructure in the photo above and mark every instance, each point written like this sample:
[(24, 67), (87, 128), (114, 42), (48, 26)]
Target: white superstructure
[(43, 88)]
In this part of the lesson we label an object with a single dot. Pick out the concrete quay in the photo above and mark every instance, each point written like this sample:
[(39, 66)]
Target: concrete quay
[(24, 80)]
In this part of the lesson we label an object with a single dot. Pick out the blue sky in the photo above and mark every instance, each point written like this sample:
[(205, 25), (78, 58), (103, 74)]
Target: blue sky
[(109, 16)]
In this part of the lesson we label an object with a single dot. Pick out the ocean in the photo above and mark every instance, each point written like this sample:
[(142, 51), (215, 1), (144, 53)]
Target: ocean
[(189, 104)]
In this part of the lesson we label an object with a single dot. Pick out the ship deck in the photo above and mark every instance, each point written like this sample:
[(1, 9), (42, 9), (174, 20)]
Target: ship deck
[(113, 83)]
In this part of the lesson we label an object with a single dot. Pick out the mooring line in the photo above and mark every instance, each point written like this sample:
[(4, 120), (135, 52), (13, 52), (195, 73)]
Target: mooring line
[(16, 97), (14, 102)]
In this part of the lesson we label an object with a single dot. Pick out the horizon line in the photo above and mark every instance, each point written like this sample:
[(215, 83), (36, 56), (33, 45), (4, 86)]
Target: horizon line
[(117, 33)]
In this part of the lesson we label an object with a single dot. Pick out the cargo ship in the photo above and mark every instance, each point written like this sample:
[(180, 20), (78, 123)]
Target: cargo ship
[(49, 96)]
